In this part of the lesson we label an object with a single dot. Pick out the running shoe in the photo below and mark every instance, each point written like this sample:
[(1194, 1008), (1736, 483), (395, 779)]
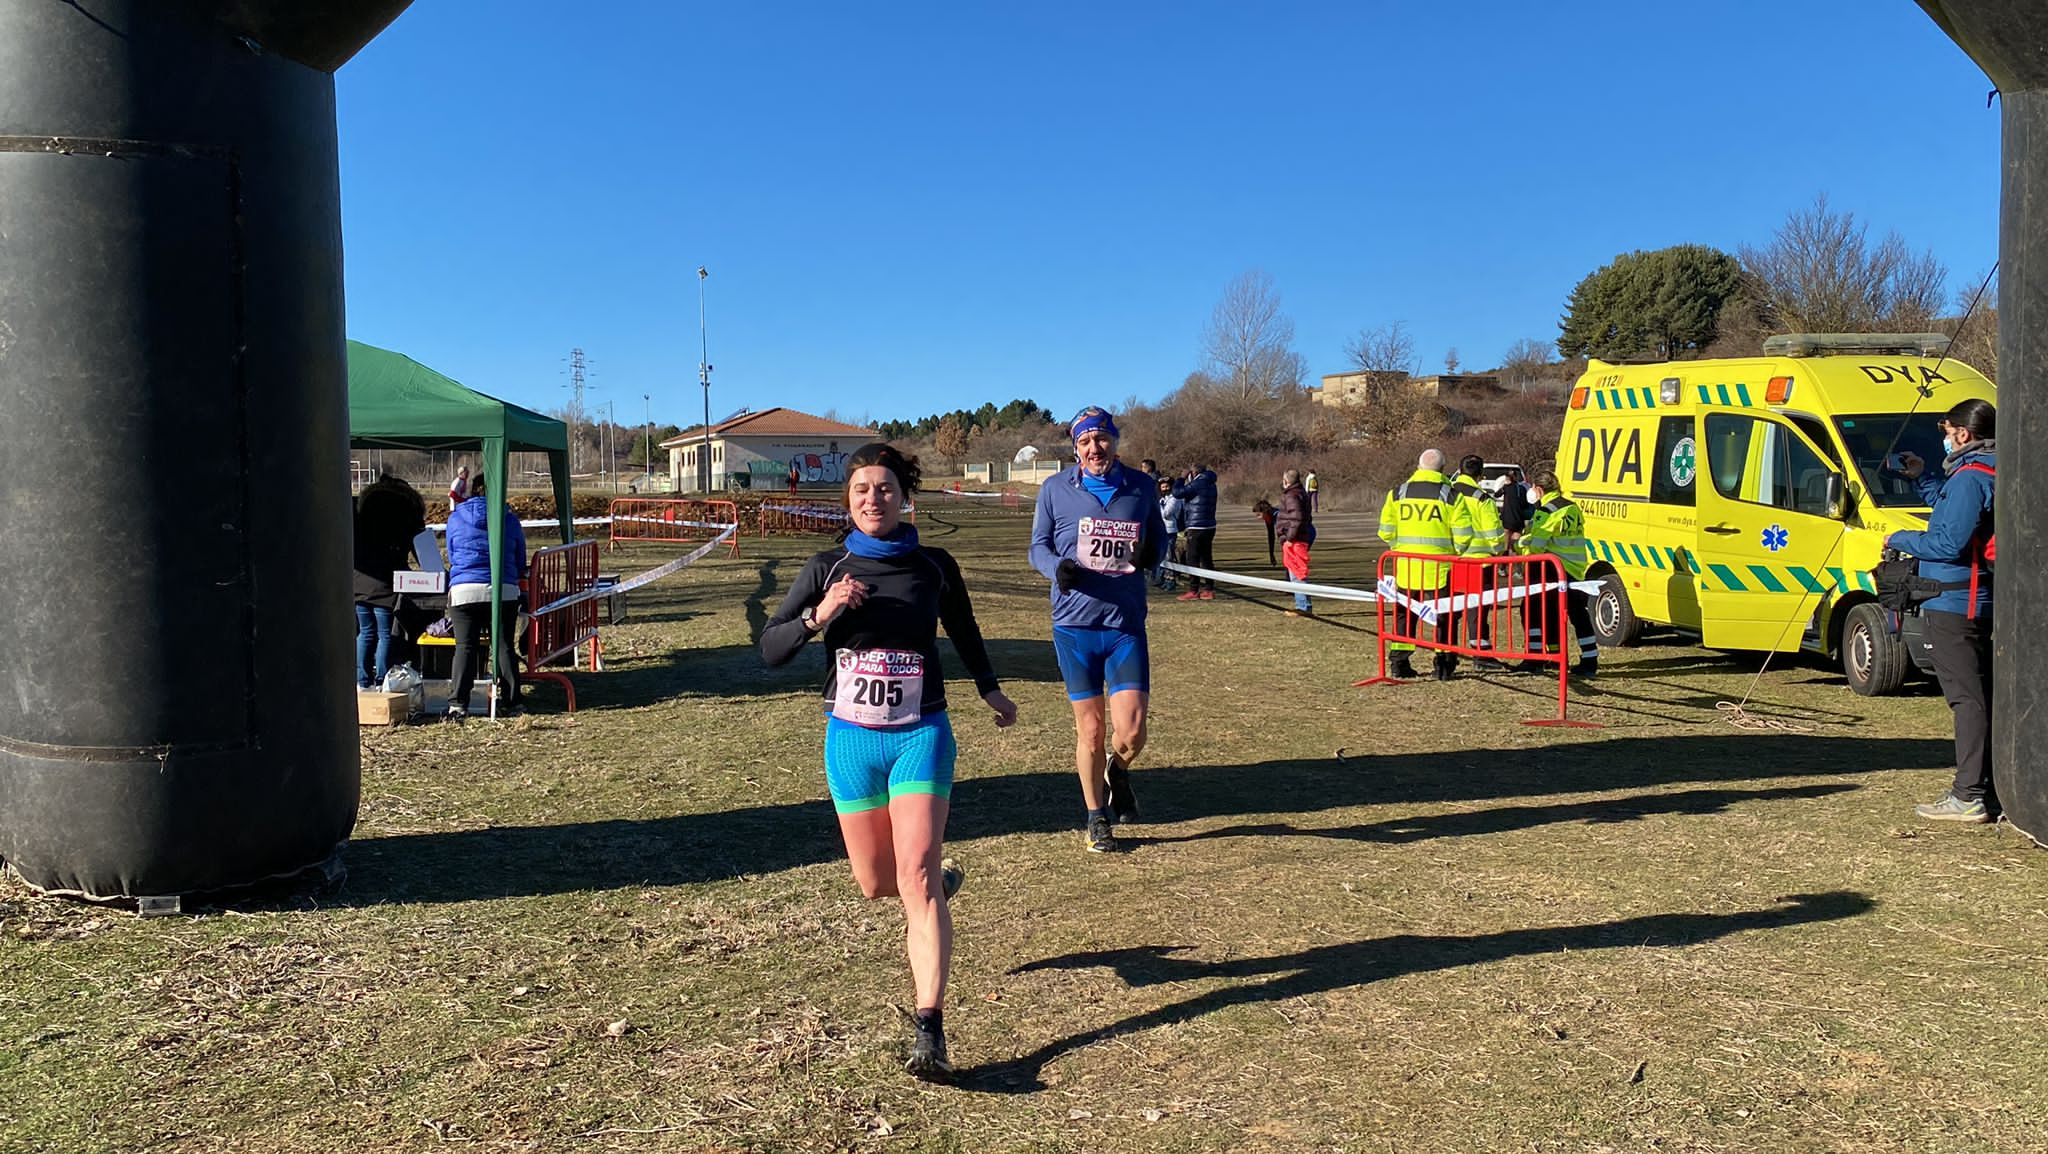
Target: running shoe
[(1190, 595), (455, 714), (1208, 595), (951, 876), (1123, 803), (1953, 808), (1100, 838), (1488, 664), (928, 1052)]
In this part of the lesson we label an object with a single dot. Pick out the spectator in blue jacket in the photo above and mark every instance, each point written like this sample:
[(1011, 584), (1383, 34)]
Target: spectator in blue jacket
[(1957, 621), (1197, 491), (1096, 526), (470, 596)]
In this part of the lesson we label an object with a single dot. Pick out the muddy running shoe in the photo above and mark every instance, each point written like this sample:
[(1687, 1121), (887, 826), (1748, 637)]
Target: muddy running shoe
[(1100, 837), (1123, 803), (928, 1051), (951, 876), (1953, 808)]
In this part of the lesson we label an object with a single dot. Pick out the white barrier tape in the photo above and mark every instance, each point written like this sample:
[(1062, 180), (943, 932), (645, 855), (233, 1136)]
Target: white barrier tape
[(1431, 609), (655, 574), (807, 510), (665, 521), (820, 513), (1387, 589), (1331, 591), (550, 523)]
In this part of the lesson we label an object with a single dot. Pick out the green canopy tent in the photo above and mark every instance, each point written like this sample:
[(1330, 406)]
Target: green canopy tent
[(394, 402)]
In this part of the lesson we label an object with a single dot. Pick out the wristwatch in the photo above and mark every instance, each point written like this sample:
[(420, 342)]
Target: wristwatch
[(809, 617)]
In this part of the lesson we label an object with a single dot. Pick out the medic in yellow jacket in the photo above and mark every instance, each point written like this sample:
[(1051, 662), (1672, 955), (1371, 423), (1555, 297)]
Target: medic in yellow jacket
[(1558, 528), (1421, 516)]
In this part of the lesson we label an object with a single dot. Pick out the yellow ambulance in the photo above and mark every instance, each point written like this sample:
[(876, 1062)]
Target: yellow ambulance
[(1746, 500)]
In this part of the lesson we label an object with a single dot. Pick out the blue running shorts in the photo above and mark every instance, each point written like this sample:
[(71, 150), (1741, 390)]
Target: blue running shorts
[(865, 767), (1092, 659)]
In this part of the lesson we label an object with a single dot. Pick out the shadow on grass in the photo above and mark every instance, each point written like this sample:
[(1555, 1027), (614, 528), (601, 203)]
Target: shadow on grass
[(468, 865), (1325, 968), (1502, 819)]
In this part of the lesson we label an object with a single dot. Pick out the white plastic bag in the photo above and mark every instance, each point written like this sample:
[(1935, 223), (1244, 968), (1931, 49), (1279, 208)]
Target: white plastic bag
[(403, 678)]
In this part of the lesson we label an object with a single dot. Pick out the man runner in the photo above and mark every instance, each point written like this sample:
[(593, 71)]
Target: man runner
[(1097, 524)]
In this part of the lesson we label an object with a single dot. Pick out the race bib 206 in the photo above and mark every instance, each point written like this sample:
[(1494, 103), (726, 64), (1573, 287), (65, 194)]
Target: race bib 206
[(1107, 545)]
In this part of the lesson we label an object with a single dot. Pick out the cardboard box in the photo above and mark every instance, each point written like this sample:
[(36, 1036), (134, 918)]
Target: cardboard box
[(415, 581), (380, 708)]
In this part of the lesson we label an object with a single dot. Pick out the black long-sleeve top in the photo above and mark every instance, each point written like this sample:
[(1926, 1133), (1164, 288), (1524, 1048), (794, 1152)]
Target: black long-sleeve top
[(909, 597)]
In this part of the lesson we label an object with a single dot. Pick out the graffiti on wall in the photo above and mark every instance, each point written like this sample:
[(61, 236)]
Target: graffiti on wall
[(827, 468)]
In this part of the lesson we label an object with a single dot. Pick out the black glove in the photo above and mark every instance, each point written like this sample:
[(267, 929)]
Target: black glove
[(1068, 576)]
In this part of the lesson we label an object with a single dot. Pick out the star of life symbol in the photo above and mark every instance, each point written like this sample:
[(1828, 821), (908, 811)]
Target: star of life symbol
[(1683, 460), (1775, 538)]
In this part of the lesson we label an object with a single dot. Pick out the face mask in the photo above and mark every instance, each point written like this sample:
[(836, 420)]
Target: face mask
[(1948, 445)]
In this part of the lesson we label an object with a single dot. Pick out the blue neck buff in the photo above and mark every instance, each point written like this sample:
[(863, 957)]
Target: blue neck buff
[(896, 544), (1105, 486)]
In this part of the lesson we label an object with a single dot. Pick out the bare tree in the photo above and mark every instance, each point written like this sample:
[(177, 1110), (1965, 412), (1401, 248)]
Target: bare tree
[(1451, 361), (1974, 331), (1385, 354), (1386, 349), (1249, 341), (1820, 273), (1526, 362)]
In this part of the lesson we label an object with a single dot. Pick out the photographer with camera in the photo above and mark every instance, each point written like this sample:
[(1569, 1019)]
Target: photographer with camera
[(1955, 554)]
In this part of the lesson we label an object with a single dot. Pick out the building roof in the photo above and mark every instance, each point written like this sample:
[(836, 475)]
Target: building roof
[(775, 422)]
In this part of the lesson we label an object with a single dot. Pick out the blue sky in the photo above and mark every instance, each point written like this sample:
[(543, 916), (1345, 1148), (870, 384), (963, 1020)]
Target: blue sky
[(908, 208)]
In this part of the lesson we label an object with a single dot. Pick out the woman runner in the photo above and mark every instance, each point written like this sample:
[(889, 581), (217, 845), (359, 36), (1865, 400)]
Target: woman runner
[(878, 599)]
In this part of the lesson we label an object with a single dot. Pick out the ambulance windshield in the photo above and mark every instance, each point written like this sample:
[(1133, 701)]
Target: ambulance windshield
[(1869, 435)]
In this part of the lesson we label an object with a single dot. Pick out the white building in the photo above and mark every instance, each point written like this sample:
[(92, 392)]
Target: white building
[(756, 450)]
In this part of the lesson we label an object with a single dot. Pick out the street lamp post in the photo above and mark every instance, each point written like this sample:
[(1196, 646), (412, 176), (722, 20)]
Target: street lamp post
[(704, 378), (647, 451)]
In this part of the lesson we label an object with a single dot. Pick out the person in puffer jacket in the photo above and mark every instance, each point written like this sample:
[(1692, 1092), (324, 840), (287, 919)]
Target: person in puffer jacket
[(1957, 621), (1197, 492), (470, 597)]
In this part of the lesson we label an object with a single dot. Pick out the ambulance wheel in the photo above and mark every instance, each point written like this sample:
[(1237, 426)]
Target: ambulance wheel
[(1614, 619), (1874, 659)]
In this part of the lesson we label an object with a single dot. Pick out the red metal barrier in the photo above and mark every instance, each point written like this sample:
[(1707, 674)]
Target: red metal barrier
[(797, 515), (1482, 599), (672, 519), (557, 574)]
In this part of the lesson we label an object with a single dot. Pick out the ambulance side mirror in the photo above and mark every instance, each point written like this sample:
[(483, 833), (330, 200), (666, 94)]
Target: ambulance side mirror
[(1837, 497)]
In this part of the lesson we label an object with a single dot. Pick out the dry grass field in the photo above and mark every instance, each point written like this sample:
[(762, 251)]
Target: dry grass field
[(1382, 919)]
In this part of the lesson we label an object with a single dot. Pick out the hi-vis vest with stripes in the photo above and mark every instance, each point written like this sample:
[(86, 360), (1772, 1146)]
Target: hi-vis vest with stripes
[(1475, 508), (1421, 517), (1558, 527)]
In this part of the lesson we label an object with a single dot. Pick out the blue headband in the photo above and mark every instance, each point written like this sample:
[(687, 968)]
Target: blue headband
[(1091, 418)]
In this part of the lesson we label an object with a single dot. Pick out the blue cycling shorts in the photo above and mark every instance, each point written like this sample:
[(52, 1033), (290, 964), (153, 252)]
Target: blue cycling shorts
[(1093, 660), (865, 767)]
